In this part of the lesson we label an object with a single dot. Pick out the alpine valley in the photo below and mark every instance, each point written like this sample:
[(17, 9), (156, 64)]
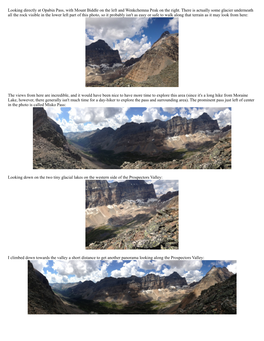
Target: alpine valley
[(178, 143), (129, 215), (157, 67), (215, 293)]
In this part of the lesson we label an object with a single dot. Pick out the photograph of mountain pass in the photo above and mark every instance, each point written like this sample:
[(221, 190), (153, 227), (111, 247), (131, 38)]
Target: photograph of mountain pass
[(132, 214), (142, 286), (131, 52), (132, 138)]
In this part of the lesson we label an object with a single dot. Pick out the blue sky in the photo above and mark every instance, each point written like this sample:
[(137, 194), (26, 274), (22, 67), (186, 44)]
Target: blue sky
[(130, 36), (86, 119), (58, 271), (161, 186)]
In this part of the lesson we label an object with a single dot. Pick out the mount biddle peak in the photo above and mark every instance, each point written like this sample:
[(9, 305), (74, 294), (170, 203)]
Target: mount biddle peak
[(157, 67)]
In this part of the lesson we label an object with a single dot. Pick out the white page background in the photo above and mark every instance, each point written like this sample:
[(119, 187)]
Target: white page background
[(220, 211)]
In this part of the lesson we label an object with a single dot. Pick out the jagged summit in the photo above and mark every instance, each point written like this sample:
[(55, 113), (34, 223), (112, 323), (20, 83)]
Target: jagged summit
[(98, 45), (164, 34), (157, 67), (151, 137), (101, 53)]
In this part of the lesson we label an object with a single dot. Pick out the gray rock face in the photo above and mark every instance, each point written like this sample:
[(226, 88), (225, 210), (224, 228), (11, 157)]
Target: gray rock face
[(135, 137), (100, 192), (100, 53), (97, 193), (47, 128), (41, 298), (112, 287)]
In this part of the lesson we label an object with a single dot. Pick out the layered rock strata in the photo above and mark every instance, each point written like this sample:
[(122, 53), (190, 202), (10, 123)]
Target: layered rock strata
[(162, 54), (100, 192), (216, 157), (150, 137), (123, 288)]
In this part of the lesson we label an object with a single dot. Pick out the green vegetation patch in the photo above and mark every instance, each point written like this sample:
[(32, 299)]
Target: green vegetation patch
[(90, 307)]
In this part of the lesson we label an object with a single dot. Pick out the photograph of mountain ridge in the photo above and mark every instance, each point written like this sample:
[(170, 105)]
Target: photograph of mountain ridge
[(132, 52), (131, 287), (104, 138), (132, 214)]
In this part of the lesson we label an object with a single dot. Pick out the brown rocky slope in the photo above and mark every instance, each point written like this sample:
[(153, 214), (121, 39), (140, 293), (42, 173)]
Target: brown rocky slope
[(216, 157), (162, 54), (158, 231), (157, 67), (41, 298), (51, 149)]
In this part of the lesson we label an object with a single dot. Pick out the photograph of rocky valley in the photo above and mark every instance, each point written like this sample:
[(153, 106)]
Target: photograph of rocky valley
[(132, 214), (132, 52), (140, 286), (131, 138)]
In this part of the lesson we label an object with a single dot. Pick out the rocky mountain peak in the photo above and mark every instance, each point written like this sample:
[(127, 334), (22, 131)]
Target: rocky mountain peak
[(47, 128), (100, 192), (41, 298), (162, 54), (101, 53), (164, 34)]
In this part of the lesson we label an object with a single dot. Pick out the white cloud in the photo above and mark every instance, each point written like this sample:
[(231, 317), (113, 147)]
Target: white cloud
[(79, 270), (95, 270), (149, 115), (223, 117), (132, 48), (127, 270), (53, 112), (92, 118), (39, 264), (188, 269), (173, 24), (232, 267), (164, 186), (170, 110), (116, 32)]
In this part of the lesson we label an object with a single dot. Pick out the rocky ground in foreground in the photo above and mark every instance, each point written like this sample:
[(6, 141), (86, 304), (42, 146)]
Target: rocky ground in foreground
[(216, 157), (218, 299), (46, 155), (159, 232)]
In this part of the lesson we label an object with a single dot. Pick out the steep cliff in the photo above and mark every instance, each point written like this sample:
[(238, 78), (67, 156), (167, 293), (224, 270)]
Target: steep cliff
[(122, 288), (162, 54), (100, 192), (150, 136), (101, 53), (214, 276), (47, 128), (52, 150), (41, 298)]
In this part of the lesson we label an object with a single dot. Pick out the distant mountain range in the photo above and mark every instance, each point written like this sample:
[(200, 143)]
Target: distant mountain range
[(157, 67), (150, 294), (152, 137), (128, 215), (175, 143)]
